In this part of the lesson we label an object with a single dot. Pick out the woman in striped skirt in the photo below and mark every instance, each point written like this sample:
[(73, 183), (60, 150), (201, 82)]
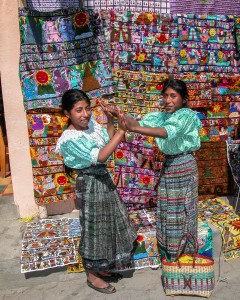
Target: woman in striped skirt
[(107, 236), (177, 134)]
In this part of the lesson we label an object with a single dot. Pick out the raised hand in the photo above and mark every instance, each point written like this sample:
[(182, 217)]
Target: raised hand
[(108, 110), (121, 119)]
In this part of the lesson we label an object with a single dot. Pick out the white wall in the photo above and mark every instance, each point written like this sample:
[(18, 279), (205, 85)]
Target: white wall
[(15, 116)]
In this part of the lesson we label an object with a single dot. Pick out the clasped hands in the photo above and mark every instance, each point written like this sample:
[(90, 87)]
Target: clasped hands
[(114, 111)]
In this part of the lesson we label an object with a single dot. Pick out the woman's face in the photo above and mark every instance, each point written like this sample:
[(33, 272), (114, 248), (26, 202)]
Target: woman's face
[(172, 100), (80, 115)]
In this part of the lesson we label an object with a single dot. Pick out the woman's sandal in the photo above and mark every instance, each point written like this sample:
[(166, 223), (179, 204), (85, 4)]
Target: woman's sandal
[(114, 277), (107, 290)]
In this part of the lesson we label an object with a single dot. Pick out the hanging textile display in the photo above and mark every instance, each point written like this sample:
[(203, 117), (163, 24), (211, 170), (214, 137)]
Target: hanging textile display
[(206, 44), (141, 41), (50, 5), (137, 159), (61, 50), (210, 7), (50, 182), (157, 6), (221, 115), (136, 172), (212, 168)]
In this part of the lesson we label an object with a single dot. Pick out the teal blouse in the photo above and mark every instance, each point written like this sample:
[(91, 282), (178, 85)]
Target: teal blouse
[(80, 148), (183, 129)]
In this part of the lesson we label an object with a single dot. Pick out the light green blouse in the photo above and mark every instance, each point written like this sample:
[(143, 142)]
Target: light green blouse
[(80, 148), (182, 127)]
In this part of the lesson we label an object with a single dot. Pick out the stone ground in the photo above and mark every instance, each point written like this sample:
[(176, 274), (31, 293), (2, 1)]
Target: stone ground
[(58, 284)]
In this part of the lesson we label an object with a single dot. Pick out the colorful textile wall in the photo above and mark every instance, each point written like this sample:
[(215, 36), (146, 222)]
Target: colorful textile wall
[(210, 7), (171, 43), (79, 48), (196, 49), (59, 50)]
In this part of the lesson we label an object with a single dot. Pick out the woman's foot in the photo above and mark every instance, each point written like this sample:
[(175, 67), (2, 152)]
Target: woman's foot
[(99, 284)]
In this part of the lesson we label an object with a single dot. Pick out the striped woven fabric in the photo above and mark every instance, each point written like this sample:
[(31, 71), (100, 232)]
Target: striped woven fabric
[(107, 235), (177, 203)]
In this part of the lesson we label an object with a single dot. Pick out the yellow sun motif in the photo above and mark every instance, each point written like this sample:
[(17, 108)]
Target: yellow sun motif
[(183, 53), (216, 108), (150, 17), (141, 57), (220, 54), (212, 32), (238, 21)]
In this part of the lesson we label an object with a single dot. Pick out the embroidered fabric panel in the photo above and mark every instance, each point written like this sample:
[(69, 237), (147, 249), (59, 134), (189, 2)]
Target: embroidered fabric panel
[(141, 41), (138, 93), (222, 215), (49, 5), (205, 239), (49, 243), (156, 6), (61, 50), (206, 44), (136, 172), (50, 182), (211, 7), (222, 115), (137, 159), (213, 168)]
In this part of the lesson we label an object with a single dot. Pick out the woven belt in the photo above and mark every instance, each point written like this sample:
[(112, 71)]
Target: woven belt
[(178, 155), (98, 169)]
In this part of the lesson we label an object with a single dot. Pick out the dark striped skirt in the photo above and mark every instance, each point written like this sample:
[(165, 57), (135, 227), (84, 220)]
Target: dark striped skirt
[(177, 203), (107, 235)]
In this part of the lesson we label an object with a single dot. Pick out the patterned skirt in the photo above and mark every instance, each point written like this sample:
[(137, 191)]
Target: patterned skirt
[(177, 203), (107, 235)]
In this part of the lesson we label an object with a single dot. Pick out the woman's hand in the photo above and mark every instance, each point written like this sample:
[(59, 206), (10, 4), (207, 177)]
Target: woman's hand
[(109, 111), (121, 119)]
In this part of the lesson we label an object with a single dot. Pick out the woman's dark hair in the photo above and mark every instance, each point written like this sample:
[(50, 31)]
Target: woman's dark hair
[(179, 86), (72, 96)]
